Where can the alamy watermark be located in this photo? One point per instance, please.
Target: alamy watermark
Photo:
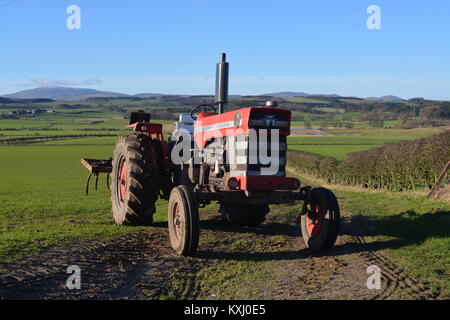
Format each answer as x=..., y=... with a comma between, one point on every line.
x=73, y=22
x=374, y=20
x=374, y=280
x=74, y=280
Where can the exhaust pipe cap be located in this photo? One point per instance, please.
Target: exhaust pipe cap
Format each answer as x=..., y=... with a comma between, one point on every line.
x=272, y=104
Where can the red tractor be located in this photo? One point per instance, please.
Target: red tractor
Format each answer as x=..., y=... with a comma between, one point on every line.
x=236, y=158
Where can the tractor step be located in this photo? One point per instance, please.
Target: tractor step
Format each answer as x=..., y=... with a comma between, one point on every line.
x=95, y=167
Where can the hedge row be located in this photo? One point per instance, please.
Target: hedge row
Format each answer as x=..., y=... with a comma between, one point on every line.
x=398, y=166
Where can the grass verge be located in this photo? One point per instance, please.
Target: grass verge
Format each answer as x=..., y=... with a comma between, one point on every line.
x=410, y=229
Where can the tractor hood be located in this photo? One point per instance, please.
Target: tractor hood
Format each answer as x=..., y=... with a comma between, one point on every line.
x=239, y=122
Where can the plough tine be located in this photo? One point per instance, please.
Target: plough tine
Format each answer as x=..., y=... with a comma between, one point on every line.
x=96, y=182
x=96, y=167
x=87, y=183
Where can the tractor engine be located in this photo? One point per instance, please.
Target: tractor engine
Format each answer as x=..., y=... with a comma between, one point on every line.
x=245, y=149
x=238, y=150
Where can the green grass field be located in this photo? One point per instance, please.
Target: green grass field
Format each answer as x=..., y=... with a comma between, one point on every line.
x=305, y=100
x=43, y=201
x=337, y=151
x=341, y=142
x=408, y=227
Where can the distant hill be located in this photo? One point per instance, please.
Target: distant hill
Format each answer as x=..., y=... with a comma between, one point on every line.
x=22, y=101
x=6, y=100
x=332, y=95
x=386, y=99
x=286, y=94
x=289, y=94
x=149, y=95
x=159, y=95
x=61, y=94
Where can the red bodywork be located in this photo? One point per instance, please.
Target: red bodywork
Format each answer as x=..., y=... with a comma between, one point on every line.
x=210, y=125
x=150, y=128
x=155, y=131
x=265, y=183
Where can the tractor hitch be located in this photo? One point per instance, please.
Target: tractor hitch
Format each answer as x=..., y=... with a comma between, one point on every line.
x=95, y=167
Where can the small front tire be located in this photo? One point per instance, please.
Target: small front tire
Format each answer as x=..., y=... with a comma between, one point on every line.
x=183, y=220
x=320, y=220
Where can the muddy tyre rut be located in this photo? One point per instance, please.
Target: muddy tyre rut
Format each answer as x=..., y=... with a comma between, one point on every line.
x=142, y=265
x=393, y=275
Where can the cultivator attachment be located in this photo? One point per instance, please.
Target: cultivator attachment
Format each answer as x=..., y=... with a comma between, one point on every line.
x=95, y=167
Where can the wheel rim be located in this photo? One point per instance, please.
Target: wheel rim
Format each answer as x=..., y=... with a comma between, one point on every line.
x=122, y=183
x=314, y=220
x=177, y=221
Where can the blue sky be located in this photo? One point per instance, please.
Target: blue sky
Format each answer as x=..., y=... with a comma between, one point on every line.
x=172, y=46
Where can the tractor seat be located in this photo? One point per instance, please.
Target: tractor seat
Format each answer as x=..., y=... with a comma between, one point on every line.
x=185, y=123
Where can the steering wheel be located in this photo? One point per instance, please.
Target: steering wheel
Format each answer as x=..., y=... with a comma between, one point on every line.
x=198, y=110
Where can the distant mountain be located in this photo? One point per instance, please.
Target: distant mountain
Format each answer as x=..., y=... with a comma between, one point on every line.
x=78, y=94
x=386, y=99
x=6, y=100
x=286, y=94
x=159, y=95
x=332, y=95
x=289, y=94
x=149, y=95
x=62, y=94
x=37, y=100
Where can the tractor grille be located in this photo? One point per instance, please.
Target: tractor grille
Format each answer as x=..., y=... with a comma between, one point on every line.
x=251, y=155
x=261, y=119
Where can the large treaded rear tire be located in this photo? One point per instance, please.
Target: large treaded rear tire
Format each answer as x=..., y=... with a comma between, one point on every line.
x=244, y=215
x=135, y=177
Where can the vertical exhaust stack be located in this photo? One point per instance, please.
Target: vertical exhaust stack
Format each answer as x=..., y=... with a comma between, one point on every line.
x=222, y=82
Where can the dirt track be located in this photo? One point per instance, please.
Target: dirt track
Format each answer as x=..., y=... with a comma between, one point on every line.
x=143, y=266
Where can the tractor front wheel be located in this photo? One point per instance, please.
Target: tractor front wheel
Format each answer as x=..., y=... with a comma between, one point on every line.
x=135, y=176
x=183, y=220
x=320, y=220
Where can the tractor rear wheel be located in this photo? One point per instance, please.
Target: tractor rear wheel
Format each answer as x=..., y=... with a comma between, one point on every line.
x=244, y=215
x=320, y=220
x=135, y=176
x=183, y=220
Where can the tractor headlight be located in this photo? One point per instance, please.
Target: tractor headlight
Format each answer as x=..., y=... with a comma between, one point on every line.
x=232, y=183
